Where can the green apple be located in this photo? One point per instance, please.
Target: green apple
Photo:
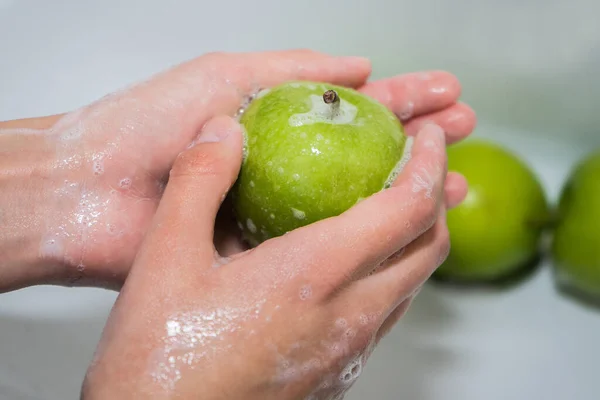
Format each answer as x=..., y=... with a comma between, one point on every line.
x=312, y=151
x=575, y=245
x=497, y=230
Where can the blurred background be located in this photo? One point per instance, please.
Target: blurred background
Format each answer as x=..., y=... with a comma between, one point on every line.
x=528, y=68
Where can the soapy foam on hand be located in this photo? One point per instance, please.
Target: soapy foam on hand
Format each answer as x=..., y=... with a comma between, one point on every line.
x=191, y=338
x=423, y=181
x=337, y=349
x=68, y=136
x=406, y=156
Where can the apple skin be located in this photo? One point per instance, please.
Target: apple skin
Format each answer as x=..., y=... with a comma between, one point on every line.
x=303, y=162
x=575, y=247
x=497, y=230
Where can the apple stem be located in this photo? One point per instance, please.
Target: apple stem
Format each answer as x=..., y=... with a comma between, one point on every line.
x=331, y=97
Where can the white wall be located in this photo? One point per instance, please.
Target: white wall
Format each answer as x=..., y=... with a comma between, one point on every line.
x=530, y=63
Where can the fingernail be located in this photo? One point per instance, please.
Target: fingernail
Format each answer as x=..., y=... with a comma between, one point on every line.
x=213, y=135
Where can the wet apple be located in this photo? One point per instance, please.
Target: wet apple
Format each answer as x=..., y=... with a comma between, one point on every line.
x=312, y=151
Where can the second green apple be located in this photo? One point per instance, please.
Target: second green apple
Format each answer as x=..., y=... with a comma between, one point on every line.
x=576, y=241
x=497, y=230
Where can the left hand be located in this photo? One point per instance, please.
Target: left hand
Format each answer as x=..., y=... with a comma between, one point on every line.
x=107, y=163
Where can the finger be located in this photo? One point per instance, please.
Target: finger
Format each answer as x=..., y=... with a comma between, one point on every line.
x=267, y=69
x=198, y=184
x=378, y=226
x=164, y=114
x=458, y=121
x=393, y=319
x=400, y=277
x=455, y=190
x=415, y=94
x=227, y=78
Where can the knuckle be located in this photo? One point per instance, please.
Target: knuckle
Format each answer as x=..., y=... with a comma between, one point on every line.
x=197, y=162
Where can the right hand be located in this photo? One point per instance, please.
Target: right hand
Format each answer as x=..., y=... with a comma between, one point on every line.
x=294, y=318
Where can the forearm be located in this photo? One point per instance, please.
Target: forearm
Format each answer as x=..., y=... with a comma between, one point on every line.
x=27, y=164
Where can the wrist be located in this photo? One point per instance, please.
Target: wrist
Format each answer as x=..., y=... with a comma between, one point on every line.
x=63, y=220
x=27, y=166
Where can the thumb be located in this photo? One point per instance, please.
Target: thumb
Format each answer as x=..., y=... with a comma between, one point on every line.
x=199, y=181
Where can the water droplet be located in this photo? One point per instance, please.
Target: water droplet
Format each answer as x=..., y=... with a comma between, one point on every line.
x=251, y=226
x=298, y=214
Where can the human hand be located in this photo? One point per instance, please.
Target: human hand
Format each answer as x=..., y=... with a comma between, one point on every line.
x=295, y=317
x=104, y=166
